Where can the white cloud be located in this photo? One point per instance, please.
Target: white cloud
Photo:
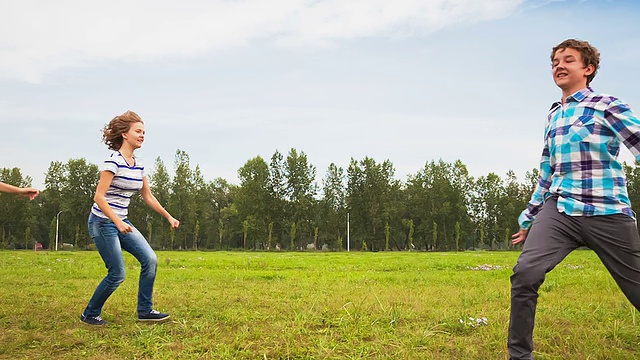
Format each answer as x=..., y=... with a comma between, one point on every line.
x=38, y=37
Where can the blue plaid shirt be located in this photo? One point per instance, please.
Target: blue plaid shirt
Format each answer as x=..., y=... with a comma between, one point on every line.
x=579, y=161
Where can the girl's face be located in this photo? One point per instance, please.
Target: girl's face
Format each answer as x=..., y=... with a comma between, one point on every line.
x=135, y=136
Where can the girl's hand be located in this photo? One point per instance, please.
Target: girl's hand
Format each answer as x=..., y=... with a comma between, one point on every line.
x=123, y=227
x=174, y=222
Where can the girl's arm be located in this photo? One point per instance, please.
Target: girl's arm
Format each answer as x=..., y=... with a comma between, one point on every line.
x=106, y=177
x=153, y=203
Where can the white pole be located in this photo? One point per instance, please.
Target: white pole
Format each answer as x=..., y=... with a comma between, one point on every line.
x=57, y=223
x=347, y=232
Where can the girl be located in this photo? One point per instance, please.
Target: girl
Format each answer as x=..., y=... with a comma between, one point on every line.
x=121, y=177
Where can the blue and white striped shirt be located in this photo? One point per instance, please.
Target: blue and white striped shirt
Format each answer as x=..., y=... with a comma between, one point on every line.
x=579, y=161
x=127, y=181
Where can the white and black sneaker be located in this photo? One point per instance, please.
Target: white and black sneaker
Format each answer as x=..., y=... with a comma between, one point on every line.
x=153, y=315
x=92, y=320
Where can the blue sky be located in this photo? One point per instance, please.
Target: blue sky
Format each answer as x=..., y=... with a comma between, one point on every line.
x=404, y=80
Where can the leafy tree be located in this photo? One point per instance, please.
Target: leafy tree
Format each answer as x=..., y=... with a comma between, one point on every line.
x=270, y=238
x=80, y=180
x=182, y=201
x=435, y=236
x=195, y=235
x=457, y=236
x=300, y=190
x=223, y=213
x=293, y=236
x=331, y=209
x=370, y=198
x=489, y=194
x=160, y=184
x=253, y=195
x=278, y=208
x=387, y=234
x=27, y=238
x=220, y=231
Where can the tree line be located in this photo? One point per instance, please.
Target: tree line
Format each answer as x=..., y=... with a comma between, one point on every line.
x=278, y=204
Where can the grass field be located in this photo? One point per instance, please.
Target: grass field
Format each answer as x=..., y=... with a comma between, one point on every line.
x=256, y=305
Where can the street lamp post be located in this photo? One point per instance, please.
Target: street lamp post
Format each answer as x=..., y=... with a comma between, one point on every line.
x=57, y=224
x=348, y=242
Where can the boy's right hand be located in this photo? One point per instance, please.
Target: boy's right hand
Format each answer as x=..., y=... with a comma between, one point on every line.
x=519, y=237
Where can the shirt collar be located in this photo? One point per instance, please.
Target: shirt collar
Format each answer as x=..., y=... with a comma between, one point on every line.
x=578, y=96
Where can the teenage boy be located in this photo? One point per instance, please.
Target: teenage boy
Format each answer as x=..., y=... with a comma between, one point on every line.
x=581, y=196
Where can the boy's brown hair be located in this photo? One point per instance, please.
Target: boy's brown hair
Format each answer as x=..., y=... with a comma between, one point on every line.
x=590, y=55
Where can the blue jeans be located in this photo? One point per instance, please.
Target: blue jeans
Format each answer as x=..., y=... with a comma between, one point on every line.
x=110, y=243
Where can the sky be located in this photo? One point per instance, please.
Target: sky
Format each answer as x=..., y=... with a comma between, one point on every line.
x=410, y=81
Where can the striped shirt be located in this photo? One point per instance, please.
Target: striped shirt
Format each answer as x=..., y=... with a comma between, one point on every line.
x=579, y=161
x=127, y=181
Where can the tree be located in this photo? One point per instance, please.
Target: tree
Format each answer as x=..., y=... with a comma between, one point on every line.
x=195, y=235
x=206, y=212
x=223, y=212
x=220, y=231
x=50, y=197
x=160, y=182
x=387, y=234
x=371, y=197
x=315, y=237
x=292, y=234
x=507, y=238
x=80, y=180
x=270, y=238
x=331, y=208
x=253, y=195
x=278, y=209
x=52, y=233
x=411, y=231
x=440, y=193
x=300, y=190
x=182, y=200
x=487, y=209
x=457, y=236
x=27, y=237
x=245, y=231
x=435, y=236
x=77, y=237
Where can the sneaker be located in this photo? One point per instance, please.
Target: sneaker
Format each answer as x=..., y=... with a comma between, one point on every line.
x=92, y=320
x=153, y=315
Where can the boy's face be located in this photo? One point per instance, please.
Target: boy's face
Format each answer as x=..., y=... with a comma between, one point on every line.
x=569, y=72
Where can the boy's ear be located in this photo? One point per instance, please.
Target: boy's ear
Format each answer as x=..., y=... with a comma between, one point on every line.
x=590, y=69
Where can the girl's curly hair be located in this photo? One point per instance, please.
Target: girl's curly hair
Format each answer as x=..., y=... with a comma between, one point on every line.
x=112, y=132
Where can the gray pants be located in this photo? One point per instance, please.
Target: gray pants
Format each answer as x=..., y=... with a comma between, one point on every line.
x=614, y=238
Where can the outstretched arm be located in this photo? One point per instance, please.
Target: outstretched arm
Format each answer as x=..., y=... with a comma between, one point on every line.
x=29, y=192
x=153, y=203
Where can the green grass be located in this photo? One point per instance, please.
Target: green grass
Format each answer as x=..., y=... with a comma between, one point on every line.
x=246, y=305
